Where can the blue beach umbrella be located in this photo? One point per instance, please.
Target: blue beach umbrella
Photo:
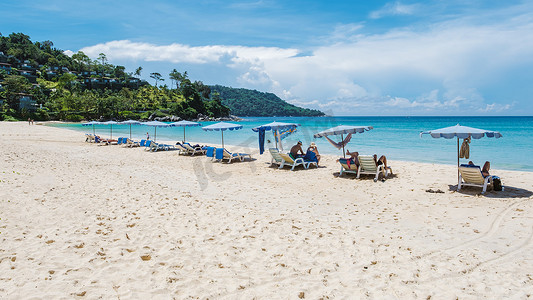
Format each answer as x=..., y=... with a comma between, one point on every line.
x=342, y=130
x=461, y=132
x=222, y=126
x=156, y=124
x=184, y=123
x=110, y=123
x=92, y=123
x=130, y=122
x=275, y=127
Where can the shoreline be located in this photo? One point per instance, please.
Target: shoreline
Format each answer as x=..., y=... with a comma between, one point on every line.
x=81, y=220
x=256, y=148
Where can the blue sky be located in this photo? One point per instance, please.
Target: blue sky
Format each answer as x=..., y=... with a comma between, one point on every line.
x=342, y=57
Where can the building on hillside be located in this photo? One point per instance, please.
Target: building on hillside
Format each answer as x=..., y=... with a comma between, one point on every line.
x=30, y=75
x=6, y=67
x=26, y=102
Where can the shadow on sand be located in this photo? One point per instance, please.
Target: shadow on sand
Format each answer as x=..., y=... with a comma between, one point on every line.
x=508, y=192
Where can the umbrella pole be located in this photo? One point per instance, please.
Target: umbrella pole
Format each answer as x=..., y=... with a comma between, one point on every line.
x=183, y=134
x=111, y=131
x=155, y=132
x=276, y=134
x=458, y=162
x=342, y=141
x=222, y=138
x=93, y=130
x=130, y=131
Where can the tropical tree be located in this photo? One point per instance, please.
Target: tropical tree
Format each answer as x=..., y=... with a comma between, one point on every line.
x=138, y=71
x=82, y=60
x=178, y=77
x=157, y=77
x=103, y=58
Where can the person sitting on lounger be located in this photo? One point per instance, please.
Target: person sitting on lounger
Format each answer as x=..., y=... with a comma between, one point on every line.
x=312, y=153
x=484, y=170
x=381, y=161
x=296, y=151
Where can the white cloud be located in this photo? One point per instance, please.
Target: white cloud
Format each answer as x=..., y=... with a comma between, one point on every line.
x=442, y=68
x=394, y=9
x=496, y=107
x=178, y=53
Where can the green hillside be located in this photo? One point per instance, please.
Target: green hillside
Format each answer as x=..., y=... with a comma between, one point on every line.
x=244, y=102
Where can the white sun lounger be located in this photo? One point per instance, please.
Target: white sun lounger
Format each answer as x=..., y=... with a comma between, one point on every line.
x=472, y=176
x=287, y=160
x=276, y=158
x=367, y=165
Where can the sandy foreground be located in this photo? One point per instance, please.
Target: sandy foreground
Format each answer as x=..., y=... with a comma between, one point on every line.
x=80, y=220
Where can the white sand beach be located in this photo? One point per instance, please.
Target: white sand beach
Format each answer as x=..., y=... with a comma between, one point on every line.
x=80, y=220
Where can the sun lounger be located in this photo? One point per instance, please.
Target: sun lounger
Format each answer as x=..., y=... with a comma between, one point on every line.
x=182, y=149
x=367, y=165
x=345, y=168
x=242, y=156
x=147, y=144
x=192, y=150
x=221, y=154
x=131, y=143
x=472, y=176
x=154, y=147
x=276, y=158
x=89, y=138
x=105, y=142
x=289, y=161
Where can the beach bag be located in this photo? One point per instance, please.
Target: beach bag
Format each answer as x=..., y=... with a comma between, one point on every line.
x=497, y=183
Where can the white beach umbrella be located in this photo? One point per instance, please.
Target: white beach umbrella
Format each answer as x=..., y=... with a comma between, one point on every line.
x=342, y=130
x=111, y=123
x=461, y=132
x=222, y=126
x=130, y=122
x=275, y=127
x=156, y=124
x=184, y=123
x=91, y=123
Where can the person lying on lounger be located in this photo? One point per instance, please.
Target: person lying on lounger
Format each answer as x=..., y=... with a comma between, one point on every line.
x=353, y=158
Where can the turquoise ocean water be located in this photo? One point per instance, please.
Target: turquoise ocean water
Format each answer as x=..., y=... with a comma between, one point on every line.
x=396, y=137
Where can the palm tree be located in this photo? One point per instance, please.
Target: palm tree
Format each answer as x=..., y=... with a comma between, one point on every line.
x=157, y=77
x=138, y=71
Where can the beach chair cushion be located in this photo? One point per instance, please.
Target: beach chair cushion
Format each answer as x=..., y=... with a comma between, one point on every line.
x=210, y=152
